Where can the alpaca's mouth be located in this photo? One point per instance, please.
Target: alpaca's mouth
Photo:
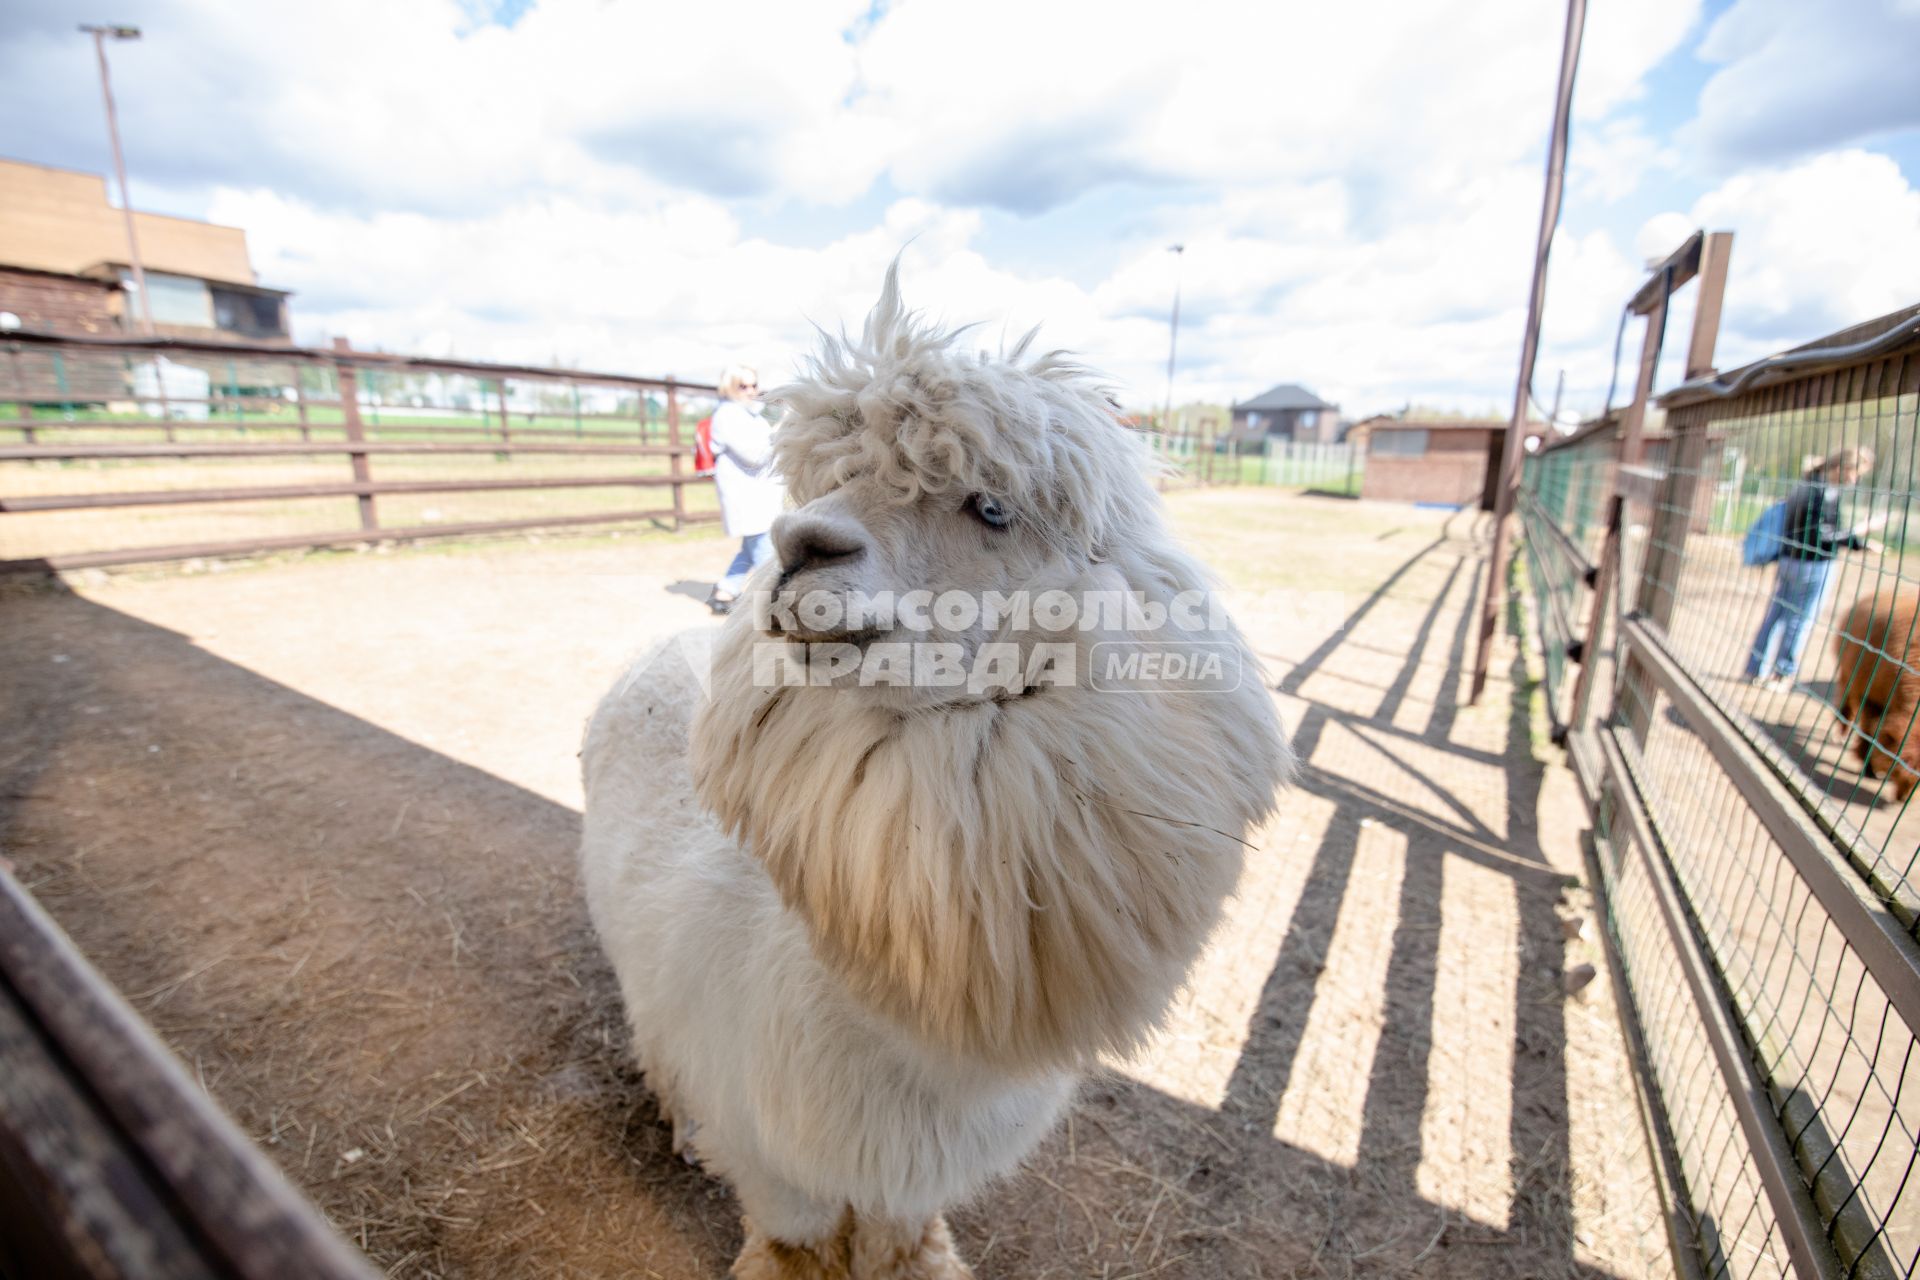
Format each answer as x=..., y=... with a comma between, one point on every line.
x=801, y=635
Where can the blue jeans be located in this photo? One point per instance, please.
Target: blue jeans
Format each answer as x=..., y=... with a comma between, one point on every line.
x=1799, y=597
x=755, y=550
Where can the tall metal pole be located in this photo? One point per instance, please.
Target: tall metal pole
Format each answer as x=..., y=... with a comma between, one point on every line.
x=1173, y=338
x=1529, y=348
x=100, y=35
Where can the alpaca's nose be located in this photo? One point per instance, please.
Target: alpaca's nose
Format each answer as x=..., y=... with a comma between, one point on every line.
x=813, y=541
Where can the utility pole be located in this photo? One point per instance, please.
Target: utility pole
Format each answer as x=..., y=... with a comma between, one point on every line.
x=1496, y=589
x=100, y=35
x=1173, y=339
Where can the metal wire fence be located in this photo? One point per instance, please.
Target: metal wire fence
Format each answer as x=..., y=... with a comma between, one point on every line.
x=1189, y=458
x=1562, y=510
x=1735, y=599
x=1325, y=468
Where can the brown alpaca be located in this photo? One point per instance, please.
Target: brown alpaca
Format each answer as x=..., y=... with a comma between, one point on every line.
x=1878, y=684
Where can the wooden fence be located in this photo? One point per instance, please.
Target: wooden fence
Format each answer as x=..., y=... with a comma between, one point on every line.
x=114, y=1164
x=1760, y=883
x=90, y=426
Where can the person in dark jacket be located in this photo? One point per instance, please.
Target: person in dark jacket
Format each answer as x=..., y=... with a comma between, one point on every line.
x=1812, y=538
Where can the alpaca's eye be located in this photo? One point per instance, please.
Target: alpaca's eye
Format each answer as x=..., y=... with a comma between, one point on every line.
x=989, y=511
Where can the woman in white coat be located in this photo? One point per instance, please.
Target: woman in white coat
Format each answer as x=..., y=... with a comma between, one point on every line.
x=751, y=495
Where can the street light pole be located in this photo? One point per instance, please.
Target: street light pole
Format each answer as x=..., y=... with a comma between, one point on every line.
x=100, y=35
x=1173, y=338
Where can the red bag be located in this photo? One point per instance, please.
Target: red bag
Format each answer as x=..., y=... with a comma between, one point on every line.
x=703, y=447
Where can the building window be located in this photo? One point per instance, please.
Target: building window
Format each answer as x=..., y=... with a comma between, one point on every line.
x=1409, y=443
x=174, y=299
x=253, y=315
x=1309, y=418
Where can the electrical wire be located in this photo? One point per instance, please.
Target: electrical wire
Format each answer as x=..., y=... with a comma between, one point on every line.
x=1613, y=373
x=1553, y=418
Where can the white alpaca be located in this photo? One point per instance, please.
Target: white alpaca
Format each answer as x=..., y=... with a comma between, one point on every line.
x=870, y=937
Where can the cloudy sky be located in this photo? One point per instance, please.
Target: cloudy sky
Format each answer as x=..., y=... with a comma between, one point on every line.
x=661, y=187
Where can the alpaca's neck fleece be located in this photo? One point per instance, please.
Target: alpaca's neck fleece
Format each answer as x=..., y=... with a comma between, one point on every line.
x=1024, y=882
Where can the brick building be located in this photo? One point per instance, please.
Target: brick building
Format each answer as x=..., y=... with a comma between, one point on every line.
x=58, y=224
x=1449, y=462
x=56, y=302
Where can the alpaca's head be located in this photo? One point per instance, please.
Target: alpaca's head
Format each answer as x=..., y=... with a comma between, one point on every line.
x=919, y=466
x=1017, y=873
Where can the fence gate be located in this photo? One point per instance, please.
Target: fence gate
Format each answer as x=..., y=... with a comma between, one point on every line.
x=1753, y=846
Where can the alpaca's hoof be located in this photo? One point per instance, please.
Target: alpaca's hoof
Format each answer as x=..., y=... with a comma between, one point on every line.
x=684, y=1132
x=862, y=1249
x=764, y=1258
x=685, y=1128
x=891, y=1251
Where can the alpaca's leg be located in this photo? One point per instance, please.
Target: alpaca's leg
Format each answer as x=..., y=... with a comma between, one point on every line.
x=857, y=1248
x=789, y=1235
x=666, y=1100
x=1866, y=731
x=885, y=1249
x=1897, y=743
x=684, y=1129
x=765, y=1257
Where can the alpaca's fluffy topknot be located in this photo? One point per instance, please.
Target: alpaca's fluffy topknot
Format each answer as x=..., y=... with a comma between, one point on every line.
x=905, y=406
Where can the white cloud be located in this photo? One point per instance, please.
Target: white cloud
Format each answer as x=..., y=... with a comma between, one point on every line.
x=364, y=104
x=664, y=189
x=1610, y=160
x=1009, y=103
x=686, y=291
x=1797, y=77
x=1819, y=246
x=673, y=289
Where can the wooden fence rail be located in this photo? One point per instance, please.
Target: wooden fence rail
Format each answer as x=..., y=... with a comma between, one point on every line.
x=114, y=1163
x=79, y=385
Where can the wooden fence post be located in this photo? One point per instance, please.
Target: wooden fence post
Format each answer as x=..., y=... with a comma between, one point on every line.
x=160, y=390
x=675, y=464
x=1612, y=553
x=1677, y=495
x=500, y=391
x=22, y=405
x=300, y=401
x=1714, y=256
x=347, y=378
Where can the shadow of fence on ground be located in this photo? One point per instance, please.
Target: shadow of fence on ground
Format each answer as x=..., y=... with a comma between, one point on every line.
x=376, y=958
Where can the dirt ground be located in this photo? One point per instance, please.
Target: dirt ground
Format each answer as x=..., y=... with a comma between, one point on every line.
x=317, y=820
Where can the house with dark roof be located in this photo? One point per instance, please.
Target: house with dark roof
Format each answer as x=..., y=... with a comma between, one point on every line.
x=1287, y=412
